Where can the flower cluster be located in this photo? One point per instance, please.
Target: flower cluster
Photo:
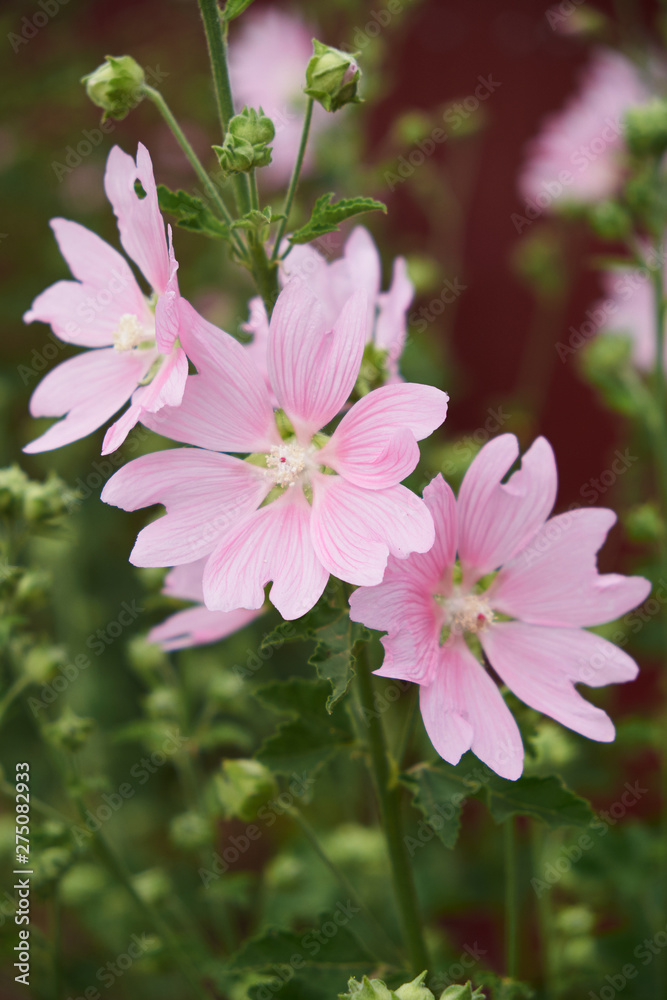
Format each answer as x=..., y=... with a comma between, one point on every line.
x=293, y=452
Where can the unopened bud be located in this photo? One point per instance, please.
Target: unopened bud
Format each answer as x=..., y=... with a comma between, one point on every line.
x=646, y=128
x=116, y=86
x=246, y=142
x=332, y=77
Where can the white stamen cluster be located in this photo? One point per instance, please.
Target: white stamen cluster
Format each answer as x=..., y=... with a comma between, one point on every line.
x=286, y=462
x=129, y=333
x=470, y=613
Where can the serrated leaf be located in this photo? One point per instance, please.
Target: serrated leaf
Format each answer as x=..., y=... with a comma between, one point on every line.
x=234, y=8
x=191, y=213
x=335, y=656
x=545, y=799
x=439, y=796
x=276, y=946
x=305, y=742
x=327, y=215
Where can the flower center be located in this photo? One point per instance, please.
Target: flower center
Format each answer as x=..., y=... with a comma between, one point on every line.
x=470, y=613
x=287, y=462
x=129, y=333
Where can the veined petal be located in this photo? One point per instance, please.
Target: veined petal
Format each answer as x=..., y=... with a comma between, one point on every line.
x=313, y=368
x=354, y=530
x=463, y=709
x=375, y=444
x=272, y=544
x=542, y=665
x=89, y=389
x=226, y=406
x=198, y=626
x=497, y=519
x=140, y=223
x=205, y=494
x=88, y=310
x=167, y=312
x=391, y=323
x=554, y=580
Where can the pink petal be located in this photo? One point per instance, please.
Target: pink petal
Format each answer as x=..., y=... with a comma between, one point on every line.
x=434, y=567
x=272, y=544
x=205, y=495
x=89, y=388
x=140, y=223
x=463, y=709
x=542, y=665
x=87, y=311
x=391, y=325
x=258, y=349
x=312, y=368
x=354, y=530
x=496, y=520
x=554, y=580
x=186, y=581
x=198, y=626
x=166, y=389
x=375, y=444
x=167, y=313
x=226, y=407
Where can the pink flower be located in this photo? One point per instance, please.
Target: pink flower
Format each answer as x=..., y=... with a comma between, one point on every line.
x=629, y=309
x=267, y=66
x=195, y=626
x=529, y=619
x=137, y=354
x=578, y=155
x=359, y=269
x=280, y=516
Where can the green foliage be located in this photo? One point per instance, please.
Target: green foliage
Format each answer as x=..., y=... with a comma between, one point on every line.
x=439, y=796
x=234, y=8
x=503, y=988
x=191, y=213
x=545, y=799
x=243, y=786
x=327, y=215
x=312, y=736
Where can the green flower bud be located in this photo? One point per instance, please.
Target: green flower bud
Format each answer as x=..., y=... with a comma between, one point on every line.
x=116, y=86
x=33, y=586
x=46, y=502
x=246, y=142
x=462, y=993
x=646, y=128
x=243, y=787
x=70, y=731
x=415, y=990
x=190, y=831
x=50, y=865
x=13, y=484
x=610, y=220
x=152, y=885
x=163, y=703
x=644, y=524
x=332, y=77
x=367, y=989
x=41, y=662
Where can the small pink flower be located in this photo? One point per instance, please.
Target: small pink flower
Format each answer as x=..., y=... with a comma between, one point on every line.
x=629, y=310
x=578, y=155
x=334, y=503
x=137, y=354
x=530, y=619
x=267, y=66
x=195, y=626
x=359, y=269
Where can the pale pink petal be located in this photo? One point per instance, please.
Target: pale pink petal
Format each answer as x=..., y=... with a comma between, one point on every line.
x=140, y=223
x=87, y=311
x=313, y=368
x=258, y=325
x=167, y=312
x=198, y=626
x=89, y=389
x=166, y=389
x=205, y=495
x=497, y=519
x=412, y=653
x=554, y=580
x=542, y=665
x=375, y=444
x=186, y=581
x=463, y=709
x=391, y=323
x=354, y=530
x=226, y=407
x=272, y=544
x=360, y=268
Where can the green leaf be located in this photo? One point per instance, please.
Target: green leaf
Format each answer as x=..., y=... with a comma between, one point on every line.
x=327, y=215
x=309, y=739
x=234, y=8
x=257, y=222
x=546, y=799
x=191, y=213
x=503, y=988
x=243, y=786
x=439, y=796
x=335, y=656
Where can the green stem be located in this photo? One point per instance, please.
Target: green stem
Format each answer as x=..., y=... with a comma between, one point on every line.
x=409, y=724
x=387, y=946
x=511, y=909
x=15, y=689
x=254, y=193
x=388, y=793
x=294, y=181
x=545, y=915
